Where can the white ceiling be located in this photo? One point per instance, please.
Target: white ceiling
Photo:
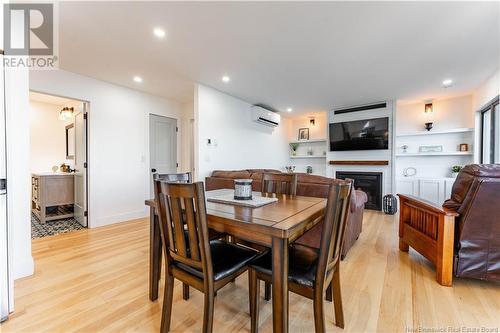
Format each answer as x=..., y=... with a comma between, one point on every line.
x=310, y=56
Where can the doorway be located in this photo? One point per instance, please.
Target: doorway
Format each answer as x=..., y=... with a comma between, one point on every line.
x=162, y=146
x=58, y=163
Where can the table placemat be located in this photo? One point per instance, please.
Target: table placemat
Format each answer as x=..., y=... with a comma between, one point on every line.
x=227, y=197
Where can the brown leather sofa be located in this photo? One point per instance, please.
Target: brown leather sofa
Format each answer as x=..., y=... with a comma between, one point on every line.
x=473, y=211
x=308, y=185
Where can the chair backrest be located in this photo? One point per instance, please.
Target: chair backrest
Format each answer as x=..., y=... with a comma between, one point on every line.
x=179, y=205
x=477, y=238
x=184, y=177
x=332, y=236
x=279, y=183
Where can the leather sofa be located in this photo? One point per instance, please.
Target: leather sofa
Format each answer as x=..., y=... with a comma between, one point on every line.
x=307, y=185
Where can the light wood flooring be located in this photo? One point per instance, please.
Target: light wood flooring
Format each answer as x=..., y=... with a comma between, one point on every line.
x=97, y=281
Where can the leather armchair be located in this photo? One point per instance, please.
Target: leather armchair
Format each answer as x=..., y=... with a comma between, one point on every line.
x=463, y=236
x=307, y=185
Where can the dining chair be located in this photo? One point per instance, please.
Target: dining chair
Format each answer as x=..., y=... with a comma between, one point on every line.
x=184, y=177
x=279, y=183
x=191, y=257
x=311, y=271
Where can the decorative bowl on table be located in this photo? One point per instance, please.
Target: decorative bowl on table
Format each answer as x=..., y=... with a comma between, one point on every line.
x=243, y=189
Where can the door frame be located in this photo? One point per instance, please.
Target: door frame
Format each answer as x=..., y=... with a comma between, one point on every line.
x=86, y=110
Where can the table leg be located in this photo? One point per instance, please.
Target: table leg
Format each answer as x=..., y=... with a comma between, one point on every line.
x=280, y=285
x=154, y=255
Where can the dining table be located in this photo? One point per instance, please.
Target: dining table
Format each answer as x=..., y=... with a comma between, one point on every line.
x=274, y=226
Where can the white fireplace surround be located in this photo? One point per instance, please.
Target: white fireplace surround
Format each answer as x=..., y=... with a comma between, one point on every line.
x=366, y=155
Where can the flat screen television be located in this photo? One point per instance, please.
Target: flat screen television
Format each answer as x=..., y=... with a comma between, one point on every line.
x=365, y=134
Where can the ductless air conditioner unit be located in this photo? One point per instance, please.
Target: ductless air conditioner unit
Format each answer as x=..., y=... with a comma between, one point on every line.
x=265, y=117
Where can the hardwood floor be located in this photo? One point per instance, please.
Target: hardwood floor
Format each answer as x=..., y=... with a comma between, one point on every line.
x=97, y=281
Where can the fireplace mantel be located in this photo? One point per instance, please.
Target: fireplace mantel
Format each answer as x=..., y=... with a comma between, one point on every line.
x=358, y=162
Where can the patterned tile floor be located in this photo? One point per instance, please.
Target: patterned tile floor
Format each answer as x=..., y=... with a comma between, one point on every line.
x=50, y=228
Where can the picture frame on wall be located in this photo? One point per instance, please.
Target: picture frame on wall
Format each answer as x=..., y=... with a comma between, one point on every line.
x=303, y=134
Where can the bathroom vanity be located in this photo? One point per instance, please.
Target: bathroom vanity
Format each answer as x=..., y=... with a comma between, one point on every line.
x=53, y=195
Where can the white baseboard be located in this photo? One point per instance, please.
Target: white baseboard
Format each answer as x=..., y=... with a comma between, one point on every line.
x=102, y=221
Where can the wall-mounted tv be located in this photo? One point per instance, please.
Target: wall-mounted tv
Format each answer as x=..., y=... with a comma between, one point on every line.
x=365, y=134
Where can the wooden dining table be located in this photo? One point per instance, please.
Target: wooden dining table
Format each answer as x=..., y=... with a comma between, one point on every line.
x=274, y=226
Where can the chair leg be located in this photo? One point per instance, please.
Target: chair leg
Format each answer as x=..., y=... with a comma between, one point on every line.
x=319, y=315
x=208, y=312
x=329, y=292
x=185, y=291
x=337, y=299
x=267, y=291
x=166, y=313
x=254, y=292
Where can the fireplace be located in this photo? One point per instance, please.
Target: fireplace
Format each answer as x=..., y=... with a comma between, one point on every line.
x=368, y=182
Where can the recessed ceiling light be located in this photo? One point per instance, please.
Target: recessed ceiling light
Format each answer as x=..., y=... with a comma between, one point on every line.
x=138, y=79
x=447, y=83
x=289, y=110
x=226, y=79
x=159, y=32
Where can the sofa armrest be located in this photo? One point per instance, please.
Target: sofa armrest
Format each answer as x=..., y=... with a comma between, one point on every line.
x=426, y=205
x=430, y=230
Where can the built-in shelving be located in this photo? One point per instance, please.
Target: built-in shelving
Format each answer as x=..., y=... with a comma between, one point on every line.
x=309, y=141
x=307, y=156
x=453, y=153
x=451, y=131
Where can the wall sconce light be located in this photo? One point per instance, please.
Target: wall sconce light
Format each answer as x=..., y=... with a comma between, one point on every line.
x=428, y=108
x=312, y=121
x=66, y=113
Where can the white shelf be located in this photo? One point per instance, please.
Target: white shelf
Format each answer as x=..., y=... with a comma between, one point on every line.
x=453, y=153
x=307, y=156
x=309, y=141
x=431, y=132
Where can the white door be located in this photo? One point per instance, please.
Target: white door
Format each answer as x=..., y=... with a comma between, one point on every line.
x=6, y=289
x=80, y=205
x=162, y=145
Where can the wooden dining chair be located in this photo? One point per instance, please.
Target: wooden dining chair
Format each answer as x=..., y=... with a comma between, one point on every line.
x=279, y=183
x=311, y=271
x=184, y=177
x=190, y=256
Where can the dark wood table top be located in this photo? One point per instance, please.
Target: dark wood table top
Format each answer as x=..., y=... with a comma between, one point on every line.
x=288, y=217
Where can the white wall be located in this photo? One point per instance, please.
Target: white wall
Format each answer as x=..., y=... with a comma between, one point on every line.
x=447, y=113
x=18, y=172
x=486, y=91
x=119, y=171
x=318, y=131
x=241, y=143
x=450, y=113
x=47, y=137
x=187, y=140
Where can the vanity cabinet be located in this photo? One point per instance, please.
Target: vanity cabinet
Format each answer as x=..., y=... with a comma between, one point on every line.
x=52, y=196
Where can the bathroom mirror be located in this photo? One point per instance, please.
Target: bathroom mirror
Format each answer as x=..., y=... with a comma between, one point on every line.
x=70, y=142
